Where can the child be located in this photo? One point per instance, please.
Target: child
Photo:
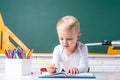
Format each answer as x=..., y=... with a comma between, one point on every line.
x=70, y=55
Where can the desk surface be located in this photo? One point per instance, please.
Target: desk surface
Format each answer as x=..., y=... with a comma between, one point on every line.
x=99, y=76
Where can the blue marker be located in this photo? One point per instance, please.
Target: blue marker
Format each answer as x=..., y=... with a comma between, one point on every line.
x=11, y=53
x=24, y=54
x=16, y=56
x=16, y=53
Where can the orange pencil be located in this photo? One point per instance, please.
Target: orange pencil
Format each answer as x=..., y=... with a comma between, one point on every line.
x=30, y=54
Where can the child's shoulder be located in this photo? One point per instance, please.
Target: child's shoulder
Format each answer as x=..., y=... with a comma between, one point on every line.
x=81, y=45
x=58, y=47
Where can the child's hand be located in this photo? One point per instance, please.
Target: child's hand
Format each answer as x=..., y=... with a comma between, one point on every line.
x=51, y=69
x=72, y=70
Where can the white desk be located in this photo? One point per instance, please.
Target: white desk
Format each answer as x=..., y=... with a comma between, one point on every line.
x=99, y=76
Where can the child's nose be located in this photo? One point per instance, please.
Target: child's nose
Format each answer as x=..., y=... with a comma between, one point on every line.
x=65, y=41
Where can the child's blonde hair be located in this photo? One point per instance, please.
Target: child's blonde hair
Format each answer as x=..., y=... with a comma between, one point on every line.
x=68, y=23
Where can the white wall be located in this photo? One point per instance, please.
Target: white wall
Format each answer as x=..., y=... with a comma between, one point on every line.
x=97, y=63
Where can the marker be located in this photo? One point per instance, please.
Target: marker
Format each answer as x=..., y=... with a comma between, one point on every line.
x=45, y=62
x=6, y=53
x=13, y=53
x=21, y=54
x=24, y=54
x=16, y=54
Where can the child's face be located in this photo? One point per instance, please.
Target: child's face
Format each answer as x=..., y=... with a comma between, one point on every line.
x=68, y=39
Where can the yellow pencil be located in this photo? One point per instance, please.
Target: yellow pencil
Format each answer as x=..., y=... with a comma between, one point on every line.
x=44, y=62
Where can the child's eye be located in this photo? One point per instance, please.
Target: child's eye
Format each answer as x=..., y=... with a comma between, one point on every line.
x=61, y=38
x=69, y=38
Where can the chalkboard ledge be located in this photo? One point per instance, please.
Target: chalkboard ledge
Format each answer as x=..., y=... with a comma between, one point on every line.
x=91, y=55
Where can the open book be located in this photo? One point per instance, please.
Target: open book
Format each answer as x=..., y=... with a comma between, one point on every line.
x=65, y=75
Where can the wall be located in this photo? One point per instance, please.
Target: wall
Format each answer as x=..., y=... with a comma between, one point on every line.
x=97, y=63
x=34, y=21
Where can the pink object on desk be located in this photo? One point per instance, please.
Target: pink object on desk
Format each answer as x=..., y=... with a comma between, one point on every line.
x=43, y=70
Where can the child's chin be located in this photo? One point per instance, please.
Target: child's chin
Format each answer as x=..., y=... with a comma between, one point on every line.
x=66, y=48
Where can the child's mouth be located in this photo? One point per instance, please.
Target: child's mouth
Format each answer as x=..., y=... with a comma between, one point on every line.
x=66, y=46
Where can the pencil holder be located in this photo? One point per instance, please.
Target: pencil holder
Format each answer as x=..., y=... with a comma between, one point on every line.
x=15, y=68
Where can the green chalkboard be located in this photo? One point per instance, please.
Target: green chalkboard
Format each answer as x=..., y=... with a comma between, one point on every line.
x=34, y=21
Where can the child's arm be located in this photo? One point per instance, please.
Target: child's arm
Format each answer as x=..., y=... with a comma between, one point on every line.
x=83, y=64
x=56, y=59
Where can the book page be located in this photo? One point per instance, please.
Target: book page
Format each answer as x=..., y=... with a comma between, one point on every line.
x=49, y=75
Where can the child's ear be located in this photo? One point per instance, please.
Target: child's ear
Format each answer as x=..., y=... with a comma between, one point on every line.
x=78, y=36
